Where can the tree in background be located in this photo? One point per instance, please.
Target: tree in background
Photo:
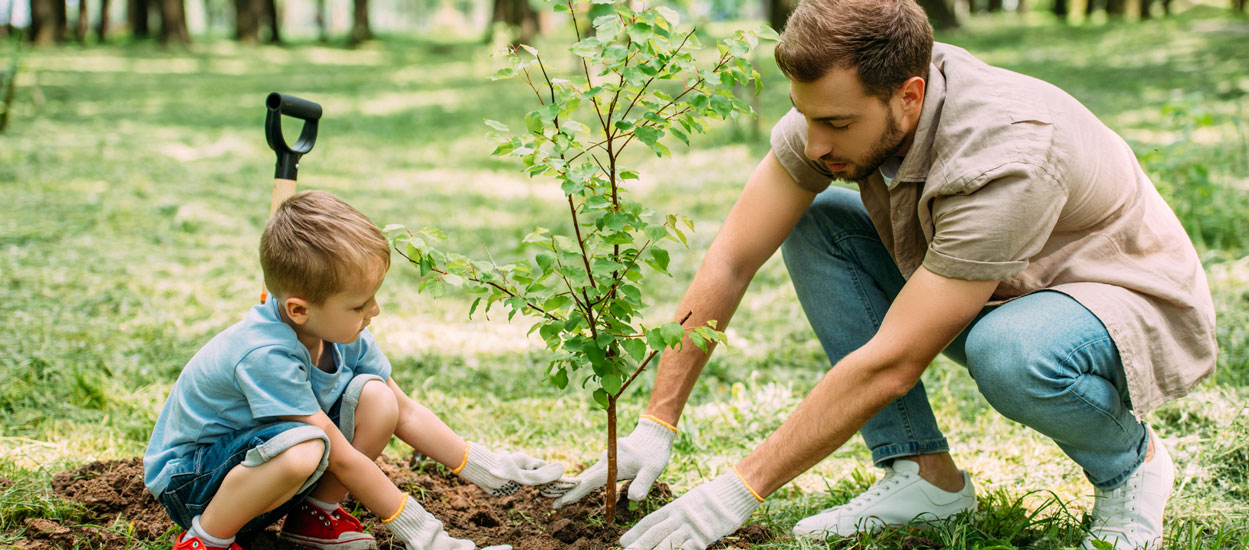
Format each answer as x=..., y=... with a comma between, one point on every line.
x=101, y=26
x=360, y=30
x=47, y=21
x=1238, y=5
x=519, y=17
x=939, y=13
x=173, y=22
x=778, y=12
x=138, y=12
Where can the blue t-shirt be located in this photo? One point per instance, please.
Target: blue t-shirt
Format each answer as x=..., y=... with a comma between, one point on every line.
x=250, y=374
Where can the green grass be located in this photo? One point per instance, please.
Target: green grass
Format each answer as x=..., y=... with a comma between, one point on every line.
x=136, y=182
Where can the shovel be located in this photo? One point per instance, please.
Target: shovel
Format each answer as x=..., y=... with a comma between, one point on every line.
x=288, y=157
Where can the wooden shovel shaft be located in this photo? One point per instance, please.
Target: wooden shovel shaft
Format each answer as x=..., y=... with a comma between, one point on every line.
x=282, y=190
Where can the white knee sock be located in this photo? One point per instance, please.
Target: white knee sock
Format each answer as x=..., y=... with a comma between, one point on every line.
x=197, y=530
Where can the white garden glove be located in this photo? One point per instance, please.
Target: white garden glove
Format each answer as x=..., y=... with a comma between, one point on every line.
x=641, y=456
x=502, y=474
x=696, y=520
x=420, y=530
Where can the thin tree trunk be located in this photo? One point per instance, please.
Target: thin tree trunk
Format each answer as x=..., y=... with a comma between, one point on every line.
x=139, y=11
x=1145, y=6
x=101, y=28
x=61, y=22
x=1061, y=10
x=246, y=21
x=778, y=12
x=1090, y=7
x=84, y=22
x=995, y=6
x=360, y=30
x=611, y=460
x=1238, y=5
x=271, y=12
x=323, y=34
x=939, y=13
x=1116, y=8
x=173, y=22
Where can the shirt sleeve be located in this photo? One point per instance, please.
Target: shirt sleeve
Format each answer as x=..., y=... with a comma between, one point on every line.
x=369, y=358
x=993, y=231
x=275, y=383
x=789, y=144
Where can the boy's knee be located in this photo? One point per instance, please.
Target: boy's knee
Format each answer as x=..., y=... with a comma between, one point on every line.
x=302, y=459
x=378, y=404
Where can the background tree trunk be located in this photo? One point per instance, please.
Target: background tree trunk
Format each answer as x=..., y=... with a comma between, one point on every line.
x=1116, y=8
x=1238, y=5
x=1145, y=6
x=1090, y=7
x=518, y=14
x=247, y=21
x=101, y=28
x=46, y=21
x=360, y=30
x=323, y=34
x=939, y=13
x=778, y=12
x=1061, y=10
x=271, y=12
x=138, y=11
x=995, y=6
x=84, y=22
x=173, y=22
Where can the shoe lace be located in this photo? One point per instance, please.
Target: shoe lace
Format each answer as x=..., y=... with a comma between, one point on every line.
x=1114, y=510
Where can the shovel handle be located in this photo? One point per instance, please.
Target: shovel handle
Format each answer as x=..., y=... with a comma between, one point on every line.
x=288, y=155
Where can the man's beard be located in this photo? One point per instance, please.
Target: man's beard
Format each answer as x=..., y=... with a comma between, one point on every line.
x=887, y=145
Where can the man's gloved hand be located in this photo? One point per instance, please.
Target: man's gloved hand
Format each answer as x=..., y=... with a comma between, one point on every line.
x=641, y=456
x=420, y=530
x=696, y=520
x=502, y=474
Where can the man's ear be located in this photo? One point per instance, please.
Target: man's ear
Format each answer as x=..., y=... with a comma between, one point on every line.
x=912, y=96
x=296, y=309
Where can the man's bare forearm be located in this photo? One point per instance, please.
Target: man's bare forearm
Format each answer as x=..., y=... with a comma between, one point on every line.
x=714, y=295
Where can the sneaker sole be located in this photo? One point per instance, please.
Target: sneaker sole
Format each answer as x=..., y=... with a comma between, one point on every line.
x=365, y=543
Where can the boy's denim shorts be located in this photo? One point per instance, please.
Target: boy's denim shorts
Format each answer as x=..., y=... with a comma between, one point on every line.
x=198, y=476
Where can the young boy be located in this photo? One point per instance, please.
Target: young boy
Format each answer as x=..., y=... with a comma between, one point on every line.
x=283, y=413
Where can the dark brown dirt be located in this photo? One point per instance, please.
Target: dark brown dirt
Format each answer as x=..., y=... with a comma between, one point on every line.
x=114, y=490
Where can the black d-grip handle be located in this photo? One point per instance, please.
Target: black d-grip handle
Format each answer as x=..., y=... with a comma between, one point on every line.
x=288, y=156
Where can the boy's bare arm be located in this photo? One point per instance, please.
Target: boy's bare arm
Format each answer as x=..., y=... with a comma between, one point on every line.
x=356, y=472
x=424, y=431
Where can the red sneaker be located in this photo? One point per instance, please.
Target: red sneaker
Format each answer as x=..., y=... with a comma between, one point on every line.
x=184, y=542
x=311, y=526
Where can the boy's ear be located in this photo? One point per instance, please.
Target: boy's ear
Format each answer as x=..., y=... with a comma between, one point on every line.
x=296, y=310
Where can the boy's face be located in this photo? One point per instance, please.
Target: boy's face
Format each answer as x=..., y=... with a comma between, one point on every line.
x=342, y=316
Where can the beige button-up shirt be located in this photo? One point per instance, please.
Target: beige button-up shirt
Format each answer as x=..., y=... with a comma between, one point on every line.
x=1011, y=179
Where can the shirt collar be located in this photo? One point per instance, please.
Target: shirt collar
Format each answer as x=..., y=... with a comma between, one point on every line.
x=918, y=160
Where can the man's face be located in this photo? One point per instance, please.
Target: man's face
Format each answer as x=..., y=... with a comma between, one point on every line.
x=345, y=315
x=851, y=132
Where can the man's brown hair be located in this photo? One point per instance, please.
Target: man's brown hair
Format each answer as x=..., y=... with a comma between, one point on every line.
x=886, y=41
x=314, y=243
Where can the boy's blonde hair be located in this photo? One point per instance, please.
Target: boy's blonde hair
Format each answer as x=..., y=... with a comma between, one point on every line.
x=313, y=243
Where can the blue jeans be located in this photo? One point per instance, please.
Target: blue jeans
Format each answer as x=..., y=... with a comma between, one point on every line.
x=199, y=475
x=1042, y=360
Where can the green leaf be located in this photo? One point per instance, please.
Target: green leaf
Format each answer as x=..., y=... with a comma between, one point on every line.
x=587, y=47
x=698, y=340
x=670, y=15
x=628, y=174
x=560, y=378
x=641, y=32
x=672, y=334
x=623, y=125
x=611, y=382
x=655, y=339
x=722, y=105
x=506, y=72
x=550, y=331
x=661, y=258
x=497, y=125
x=768, y=33
x=635, y=347
x=545, y=261
x=600, y=396
x=647, y=135
x=556, y=302
x=533, y=121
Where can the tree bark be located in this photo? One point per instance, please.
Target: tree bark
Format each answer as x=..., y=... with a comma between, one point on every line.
x=44, y=22
x=323, y=34
x=778, y=12
x=247, y=21
x=173, y=22
x=271, y=12
x=139, y=11
x=1238, y=5
x=518, y=15
x=1145, y=6
x=101, y=28
x=939, y=13
x=1090, y=7
x=1116, y=8
x=1061, y=10
x=360, y=30
x=84, y=22
x=995, y=6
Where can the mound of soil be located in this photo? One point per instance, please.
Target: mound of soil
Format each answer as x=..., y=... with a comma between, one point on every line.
x=114, y=490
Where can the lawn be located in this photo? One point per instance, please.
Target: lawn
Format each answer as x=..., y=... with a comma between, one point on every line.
x=136, y=181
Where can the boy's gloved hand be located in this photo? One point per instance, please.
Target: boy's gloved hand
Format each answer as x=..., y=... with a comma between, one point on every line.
x=420, y=530
x=696, y=520
x=641, y=456
x=502, y=474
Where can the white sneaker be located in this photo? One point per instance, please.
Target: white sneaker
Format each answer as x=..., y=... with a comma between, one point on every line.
x=896, y=499
x=1129, y=517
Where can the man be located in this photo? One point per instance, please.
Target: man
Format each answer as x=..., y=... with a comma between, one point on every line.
x=997, y=220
